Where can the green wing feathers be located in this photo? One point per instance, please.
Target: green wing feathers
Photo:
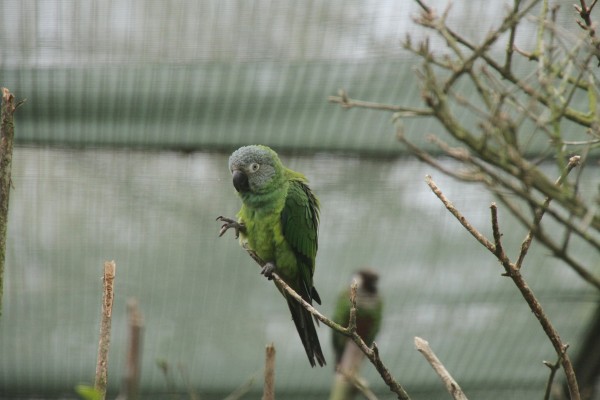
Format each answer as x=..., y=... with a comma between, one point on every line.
x=300, y=224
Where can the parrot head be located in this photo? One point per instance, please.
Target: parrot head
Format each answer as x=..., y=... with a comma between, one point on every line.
x=367, y=280
x=255, y=169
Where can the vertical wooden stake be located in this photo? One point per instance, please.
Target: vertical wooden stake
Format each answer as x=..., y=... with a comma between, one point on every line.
x=131, y=381
x=104, y=344
x=7, y=133
x=343, y=387
x=269, y=389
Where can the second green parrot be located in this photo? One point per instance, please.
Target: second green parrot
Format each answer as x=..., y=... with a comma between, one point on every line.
x=279, y=221
x=369, y=309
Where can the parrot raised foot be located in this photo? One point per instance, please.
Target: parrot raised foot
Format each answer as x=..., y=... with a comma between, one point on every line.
x=230, y=223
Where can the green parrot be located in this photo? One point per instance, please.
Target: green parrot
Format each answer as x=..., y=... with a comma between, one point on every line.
x=279, y=220
x=369, y=309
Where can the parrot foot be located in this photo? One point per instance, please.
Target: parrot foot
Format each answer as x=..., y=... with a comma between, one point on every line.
x=230, y=223
x=268, y=270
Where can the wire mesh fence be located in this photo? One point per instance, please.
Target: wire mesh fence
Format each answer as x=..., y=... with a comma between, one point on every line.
x=132, y=108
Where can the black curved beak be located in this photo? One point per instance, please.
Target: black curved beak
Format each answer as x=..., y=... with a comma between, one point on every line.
x=240, y=181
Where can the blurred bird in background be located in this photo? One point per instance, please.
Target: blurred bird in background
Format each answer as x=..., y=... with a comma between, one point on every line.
x=348, y=357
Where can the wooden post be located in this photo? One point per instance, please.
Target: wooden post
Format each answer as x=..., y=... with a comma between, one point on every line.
x=7, y=133
x=131, y=380
x=269, y=389
x=104, y=344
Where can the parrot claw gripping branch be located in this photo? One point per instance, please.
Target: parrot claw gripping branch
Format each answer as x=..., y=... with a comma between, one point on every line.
x=279, y=222
x=268, y=270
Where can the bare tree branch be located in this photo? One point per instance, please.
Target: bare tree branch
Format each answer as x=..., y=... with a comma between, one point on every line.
x=513, y=272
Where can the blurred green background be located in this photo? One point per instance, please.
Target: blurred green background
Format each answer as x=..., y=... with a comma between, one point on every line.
x=132, y=110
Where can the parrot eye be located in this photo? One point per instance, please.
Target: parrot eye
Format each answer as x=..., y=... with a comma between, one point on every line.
x=254, y=167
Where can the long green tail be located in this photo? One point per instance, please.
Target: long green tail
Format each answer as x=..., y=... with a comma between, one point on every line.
x=306, y=329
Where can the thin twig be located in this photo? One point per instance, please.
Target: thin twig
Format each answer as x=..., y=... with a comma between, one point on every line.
x=185, y=377
x=347, y=103
x=427, y=158
x=423, y=6
x=165, y=368
x=585, y=12
x=269, y=388
x=451, y=385
x=352, y=317
x=357, y=383
x=105, y=324
x=553, y=368
x=464, y=222
x=347, y=381
x=510, y=46
x=539, y=213
x=556, y=250
x=241, y=391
